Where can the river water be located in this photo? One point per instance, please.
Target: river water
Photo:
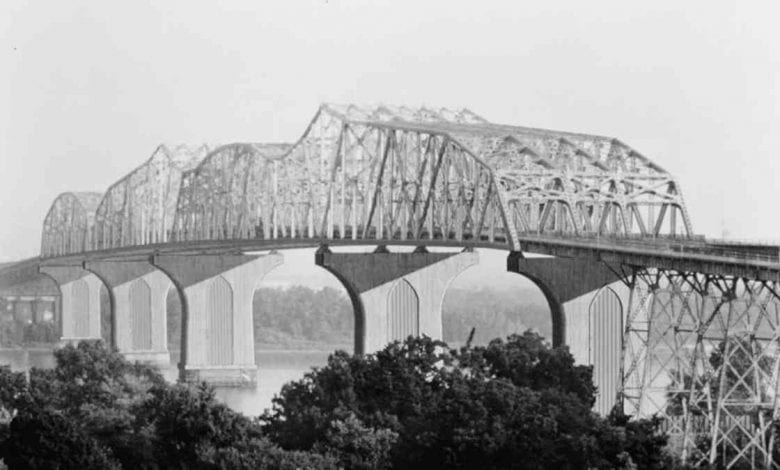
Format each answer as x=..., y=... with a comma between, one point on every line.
x=275, y=368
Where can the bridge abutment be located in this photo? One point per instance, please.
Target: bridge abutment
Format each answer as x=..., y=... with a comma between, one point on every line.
x=80, y=302
x=587, y=302
x=139, y=293
x=395, y=295
x=217, y=327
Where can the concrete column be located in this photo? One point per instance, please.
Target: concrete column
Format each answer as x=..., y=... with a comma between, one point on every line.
x=80, y=302
x=586, y=300
x=395, y=294
x=218, y=332
x=138, y=300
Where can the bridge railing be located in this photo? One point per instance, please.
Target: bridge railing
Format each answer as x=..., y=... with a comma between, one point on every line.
x=697, y=244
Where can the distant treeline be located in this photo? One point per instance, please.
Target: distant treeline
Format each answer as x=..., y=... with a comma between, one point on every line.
x=303, y=317
x=14, y=334
x=300, y=317
x=494, y=313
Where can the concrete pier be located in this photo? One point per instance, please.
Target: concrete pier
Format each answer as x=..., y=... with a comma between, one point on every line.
x=586, y=300
x=217, y=331
x=395, y=295
x=80, y=302
x=138, y=302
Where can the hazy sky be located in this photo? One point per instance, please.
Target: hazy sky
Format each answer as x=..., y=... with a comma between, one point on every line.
x=88, y=89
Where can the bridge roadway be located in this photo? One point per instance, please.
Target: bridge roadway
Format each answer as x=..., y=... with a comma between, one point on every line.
x=680, y=254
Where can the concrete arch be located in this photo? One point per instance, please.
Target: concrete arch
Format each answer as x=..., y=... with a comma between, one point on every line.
x=369, y=279
x=557, y=314
x=403, y=311
x=358, y=309
x=79, y=301
x=564, y=281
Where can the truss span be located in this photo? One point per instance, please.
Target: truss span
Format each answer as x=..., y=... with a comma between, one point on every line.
x=140, y=208
x=395, y=173
x=68, y=225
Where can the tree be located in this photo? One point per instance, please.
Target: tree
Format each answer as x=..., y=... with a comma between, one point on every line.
x=188, y=420
x=527, y=361
x=513, y=404
x=357, y=446
x=47, y=439
x=96, y=410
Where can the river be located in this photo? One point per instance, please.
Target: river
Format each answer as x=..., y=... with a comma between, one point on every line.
x=275, y=368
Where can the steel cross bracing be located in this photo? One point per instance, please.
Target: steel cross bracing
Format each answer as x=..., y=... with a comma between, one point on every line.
x=702, y=352
x=140, y=208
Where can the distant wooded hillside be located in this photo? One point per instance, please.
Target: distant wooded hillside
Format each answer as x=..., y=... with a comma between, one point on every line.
x=300, y=317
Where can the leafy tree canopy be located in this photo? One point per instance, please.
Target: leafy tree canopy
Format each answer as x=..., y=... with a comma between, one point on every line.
x=512, y=404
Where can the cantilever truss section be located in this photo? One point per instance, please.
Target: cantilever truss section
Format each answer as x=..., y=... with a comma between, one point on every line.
x=67, y=227
x=140, y=208
x=226, y=195
x=395, y=173
x=418, y=174
x=345, y=178
x=702, y=352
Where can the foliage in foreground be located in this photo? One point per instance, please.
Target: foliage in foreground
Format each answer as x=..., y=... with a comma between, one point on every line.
x=95, y=410
x=512, y=404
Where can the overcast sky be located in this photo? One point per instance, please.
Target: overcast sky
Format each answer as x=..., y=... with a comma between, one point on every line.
x=88, y=89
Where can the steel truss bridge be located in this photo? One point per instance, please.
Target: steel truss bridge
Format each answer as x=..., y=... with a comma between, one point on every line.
x=701, y=320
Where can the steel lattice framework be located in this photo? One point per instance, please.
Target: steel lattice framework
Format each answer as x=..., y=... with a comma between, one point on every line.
x=419, y=174
x=140, y=208
x=67, y=227
x=226, y=195
x=702, y=351
x=699, y=348
x=395, y=173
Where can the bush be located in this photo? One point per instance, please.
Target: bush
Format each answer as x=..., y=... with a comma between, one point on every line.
x=515, y=403
x=46, y=439
x=96, y=410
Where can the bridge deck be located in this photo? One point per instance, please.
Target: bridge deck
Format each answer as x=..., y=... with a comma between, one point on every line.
x=760, y=262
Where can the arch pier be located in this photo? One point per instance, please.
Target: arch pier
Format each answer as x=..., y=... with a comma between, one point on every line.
x=395, y=295
x=217, y=329
x=80, y=301
x=138, y=293
x=586, y=300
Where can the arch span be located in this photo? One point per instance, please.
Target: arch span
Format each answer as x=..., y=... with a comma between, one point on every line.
x=563, y=281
